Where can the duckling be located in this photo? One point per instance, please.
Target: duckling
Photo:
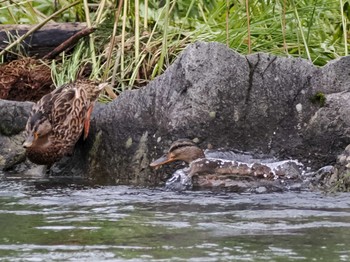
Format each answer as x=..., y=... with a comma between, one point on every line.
x=224, y=172
x=188, y=151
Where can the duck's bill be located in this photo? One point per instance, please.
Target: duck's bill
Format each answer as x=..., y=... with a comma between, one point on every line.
x=29, y=141
x=161, y=161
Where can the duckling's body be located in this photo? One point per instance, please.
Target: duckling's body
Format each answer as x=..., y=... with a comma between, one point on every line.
x=58, y=120
x=223, y=172
x=188, y=151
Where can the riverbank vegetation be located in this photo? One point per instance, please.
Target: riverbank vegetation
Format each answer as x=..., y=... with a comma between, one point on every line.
x=135, y=41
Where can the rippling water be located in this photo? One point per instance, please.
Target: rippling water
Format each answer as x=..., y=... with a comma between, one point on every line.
x=117, y=223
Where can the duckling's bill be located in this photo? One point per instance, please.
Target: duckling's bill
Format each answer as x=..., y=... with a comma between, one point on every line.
x=162, y=160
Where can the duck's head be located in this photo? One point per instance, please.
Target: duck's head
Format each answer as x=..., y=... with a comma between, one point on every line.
x=38, y=129
x=183, y=149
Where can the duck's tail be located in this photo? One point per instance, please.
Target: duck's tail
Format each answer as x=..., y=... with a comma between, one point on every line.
x=92, y=88
x=97, y=90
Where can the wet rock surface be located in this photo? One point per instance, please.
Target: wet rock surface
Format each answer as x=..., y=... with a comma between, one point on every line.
x=13, y=116
x=281, y=107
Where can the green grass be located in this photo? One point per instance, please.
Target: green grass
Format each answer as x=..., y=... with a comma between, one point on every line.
x=137, y=40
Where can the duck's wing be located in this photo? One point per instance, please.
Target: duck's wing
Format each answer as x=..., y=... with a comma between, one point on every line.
x=43, y=109
x=69, y=109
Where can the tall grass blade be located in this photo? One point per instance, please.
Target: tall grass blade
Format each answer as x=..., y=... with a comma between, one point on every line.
x=227, y=20
x=301, y=32
x=122, y=57
x=137, y=29
x=248, y=27
x=344, y=23
x=165, y=37
x=91, y=38
x=145, y=21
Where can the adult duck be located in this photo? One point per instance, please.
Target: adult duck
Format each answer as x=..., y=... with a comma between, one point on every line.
x=58, y=119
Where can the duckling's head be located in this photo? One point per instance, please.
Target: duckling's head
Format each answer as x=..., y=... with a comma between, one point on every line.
x=183, y=149
x=38, y=128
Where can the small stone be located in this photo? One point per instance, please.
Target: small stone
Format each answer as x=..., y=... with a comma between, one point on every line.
x=299, y=108
x=261, y=189
x=128, y=142
x=195, y=140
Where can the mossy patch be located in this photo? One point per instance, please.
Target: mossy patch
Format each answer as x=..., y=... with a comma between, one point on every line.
x=319, y=99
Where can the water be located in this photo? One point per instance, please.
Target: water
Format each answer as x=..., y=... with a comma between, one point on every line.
x=117, y=223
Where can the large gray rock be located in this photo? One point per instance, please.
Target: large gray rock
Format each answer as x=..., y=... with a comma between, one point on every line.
x=260, y=103
x=13, y=118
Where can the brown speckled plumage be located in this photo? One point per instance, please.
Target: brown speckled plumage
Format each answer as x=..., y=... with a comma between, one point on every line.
x=57, y=121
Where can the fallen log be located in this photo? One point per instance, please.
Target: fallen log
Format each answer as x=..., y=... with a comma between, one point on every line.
x=41, y=42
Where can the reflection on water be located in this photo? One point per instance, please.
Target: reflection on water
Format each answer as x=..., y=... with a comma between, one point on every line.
x=128, y=224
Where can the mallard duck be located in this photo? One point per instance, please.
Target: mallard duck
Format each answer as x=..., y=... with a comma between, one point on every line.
x=187, y=151
x=58, y=119
x=212, y=168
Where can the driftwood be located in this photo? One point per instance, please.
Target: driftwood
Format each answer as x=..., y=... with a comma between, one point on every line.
x=69, y=42
x=41, y=42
